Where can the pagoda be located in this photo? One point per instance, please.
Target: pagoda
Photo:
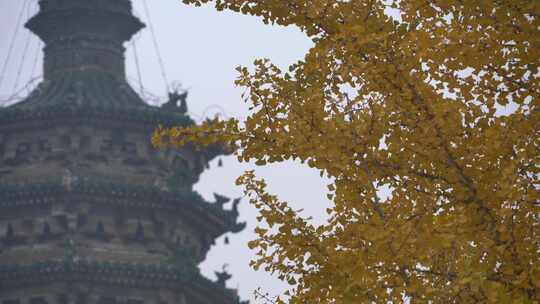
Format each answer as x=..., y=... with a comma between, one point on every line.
x=90, y=212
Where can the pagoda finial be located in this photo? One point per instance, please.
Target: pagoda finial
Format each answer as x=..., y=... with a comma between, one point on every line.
x=81, y=34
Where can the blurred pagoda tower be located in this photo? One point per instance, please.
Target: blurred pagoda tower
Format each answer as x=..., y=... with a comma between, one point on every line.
x=90, y=212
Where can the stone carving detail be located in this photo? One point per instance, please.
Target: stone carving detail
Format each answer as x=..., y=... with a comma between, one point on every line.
x=177, y=102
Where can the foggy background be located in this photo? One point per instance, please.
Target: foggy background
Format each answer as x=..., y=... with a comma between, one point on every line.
x=200, y=48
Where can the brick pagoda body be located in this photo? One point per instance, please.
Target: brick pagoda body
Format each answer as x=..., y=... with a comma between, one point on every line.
x=90, y=212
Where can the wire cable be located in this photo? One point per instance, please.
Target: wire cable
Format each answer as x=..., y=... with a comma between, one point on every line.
x=17, y=95
x=38, y=46
x=12, y=43
x=23, y=61
x=26, y=45
x=36, y=58
x=137, y=65
x=156, y=46
x=220, y=111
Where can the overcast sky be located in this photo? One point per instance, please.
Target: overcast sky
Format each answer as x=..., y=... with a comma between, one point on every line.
x=200, y=48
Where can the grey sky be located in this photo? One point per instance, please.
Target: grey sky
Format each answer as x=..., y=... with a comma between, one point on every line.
x=200, y=48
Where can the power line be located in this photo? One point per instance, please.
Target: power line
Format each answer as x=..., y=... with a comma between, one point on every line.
x=38, y=47
x=12, y=43
x=146, y=95
x=137, y=65
x=16, y=96
x=220, y=111
x=23, y=60
x=156, y=46
x=36, y=58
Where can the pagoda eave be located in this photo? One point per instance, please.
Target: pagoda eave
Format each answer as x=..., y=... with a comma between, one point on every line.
x=127, y=275
x=187, y=204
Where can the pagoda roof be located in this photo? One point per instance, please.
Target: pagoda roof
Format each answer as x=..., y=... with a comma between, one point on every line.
x=124, y=274
x=189, y=204
x=88, y=93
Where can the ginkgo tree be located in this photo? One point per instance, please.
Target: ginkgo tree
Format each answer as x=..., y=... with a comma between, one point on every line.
x=436, y=101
